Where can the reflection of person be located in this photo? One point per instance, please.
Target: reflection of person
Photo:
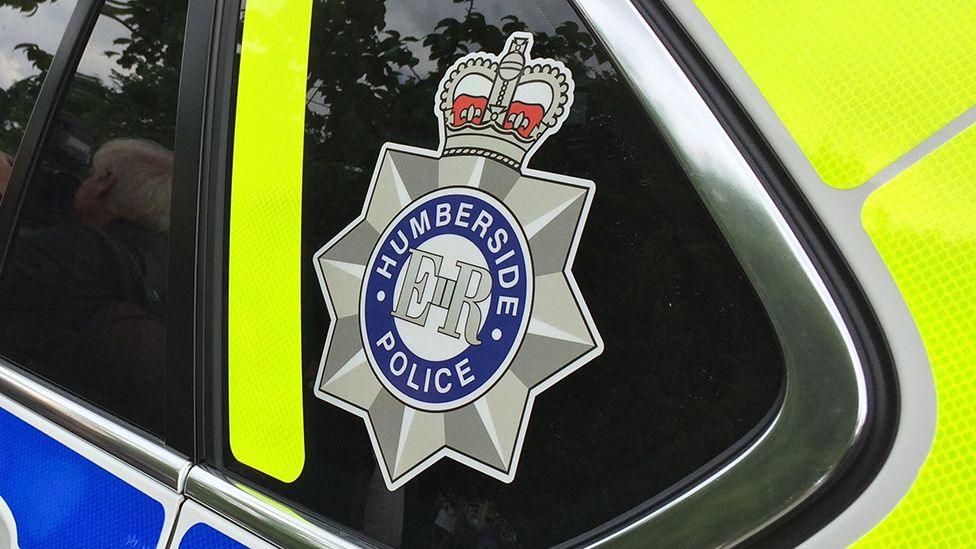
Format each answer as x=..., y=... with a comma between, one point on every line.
x=81, y=302
x=130, y=182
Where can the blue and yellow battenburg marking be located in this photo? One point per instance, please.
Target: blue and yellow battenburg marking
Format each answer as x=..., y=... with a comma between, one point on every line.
x=452, y=296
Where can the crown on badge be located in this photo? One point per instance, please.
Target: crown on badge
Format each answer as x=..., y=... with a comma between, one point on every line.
x=503, y=106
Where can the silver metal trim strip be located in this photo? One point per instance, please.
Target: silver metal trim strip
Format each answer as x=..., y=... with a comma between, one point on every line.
x=825, y=404
x=263, y=515
x=840, y=213
x=942, y=136
x=92, y=425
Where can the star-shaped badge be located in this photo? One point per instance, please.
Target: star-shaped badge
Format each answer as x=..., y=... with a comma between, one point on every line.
x=452, y=300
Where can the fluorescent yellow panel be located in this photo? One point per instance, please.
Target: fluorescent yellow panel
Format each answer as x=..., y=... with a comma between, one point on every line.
x=858, y=83
x=924, y=224
x=264, y=362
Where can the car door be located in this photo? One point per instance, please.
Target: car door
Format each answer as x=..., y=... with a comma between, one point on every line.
x=419, y=273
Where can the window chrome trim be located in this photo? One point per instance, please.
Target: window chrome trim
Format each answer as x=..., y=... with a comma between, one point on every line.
x=825, y=404
x=264, y=515
x=83, y=420
x=839, y=211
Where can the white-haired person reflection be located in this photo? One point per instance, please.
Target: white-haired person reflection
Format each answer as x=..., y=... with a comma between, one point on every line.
x=82, y=302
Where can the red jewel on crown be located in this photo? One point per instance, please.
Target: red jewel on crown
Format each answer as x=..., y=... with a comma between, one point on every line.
x=503, y=106
x=468, y=108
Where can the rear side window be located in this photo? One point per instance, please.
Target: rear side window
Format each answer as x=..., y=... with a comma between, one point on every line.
x=519, y=323
x=29, y=35
x=84, y=286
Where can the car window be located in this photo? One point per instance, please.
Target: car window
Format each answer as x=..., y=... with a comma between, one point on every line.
x=29, y=34
x=84, y=286
x=518, y=320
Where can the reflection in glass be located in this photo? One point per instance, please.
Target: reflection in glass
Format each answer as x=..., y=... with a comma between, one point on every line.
x=30, y=31
x=691, y=362
x=83, y=292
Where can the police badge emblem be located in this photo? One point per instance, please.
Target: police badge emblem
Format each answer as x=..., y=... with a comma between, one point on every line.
x=452, y=301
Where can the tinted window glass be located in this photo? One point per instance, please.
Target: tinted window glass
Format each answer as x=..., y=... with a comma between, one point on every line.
x=690, y=363
x=83, y=296
x=29, y=33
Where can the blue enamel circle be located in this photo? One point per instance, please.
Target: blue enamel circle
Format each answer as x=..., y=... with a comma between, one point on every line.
x=446, y=298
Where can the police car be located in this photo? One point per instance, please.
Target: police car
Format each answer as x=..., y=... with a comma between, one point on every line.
x=474, y=273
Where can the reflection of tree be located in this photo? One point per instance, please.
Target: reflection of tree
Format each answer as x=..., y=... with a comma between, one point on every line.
x=365, y=89
x=139, y=99
x=17, y=100
x=26, y=7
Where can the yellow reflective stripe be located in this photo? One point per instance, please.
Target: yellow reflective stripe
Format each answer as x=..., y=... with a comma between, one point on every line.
x=858, y=83
x=264, y=347
x=924, y=225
